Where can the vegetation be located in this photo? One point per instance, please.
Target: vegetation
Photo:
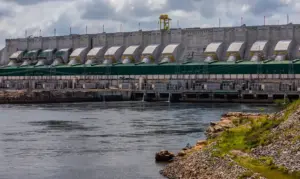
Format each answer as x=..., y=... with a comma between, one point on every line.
x=246, y=146
x=246, y=175
x=282, y=102
x=249, y=134
x=266, y=168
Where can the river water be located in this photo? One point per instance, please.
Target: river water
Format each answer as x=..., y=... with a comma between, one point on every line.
x=100, y=140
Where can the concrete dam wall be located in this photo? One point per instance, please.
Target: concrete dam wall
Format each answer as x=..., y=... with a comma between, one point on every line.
x=276, y=42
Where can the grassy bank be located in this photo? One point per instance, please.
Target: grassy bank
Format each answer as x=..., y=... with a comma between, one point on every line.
x=248, y=146
x=252, y=133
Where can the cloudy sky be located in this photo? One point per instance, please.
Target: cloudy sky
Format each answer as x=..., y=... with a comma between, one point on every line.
x=16, y=16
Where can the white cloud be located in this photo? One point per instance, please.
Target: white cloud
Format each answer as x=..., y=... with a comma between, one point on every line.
x=31, y=15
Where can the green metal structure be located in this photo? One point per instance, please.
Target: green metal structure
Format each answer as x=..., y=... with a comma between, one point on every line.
x=242, y=67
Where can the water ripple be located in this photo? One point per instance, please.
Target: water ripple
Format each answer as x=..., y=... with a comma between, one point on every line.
x=97, y=140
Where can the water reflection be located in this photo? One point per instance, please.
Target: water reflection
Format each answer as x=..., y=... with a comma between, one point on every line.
x=61, y=125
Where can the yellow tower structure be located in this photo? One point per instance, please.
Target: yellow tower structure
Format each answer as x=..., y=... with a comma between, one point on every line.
x=164, y=22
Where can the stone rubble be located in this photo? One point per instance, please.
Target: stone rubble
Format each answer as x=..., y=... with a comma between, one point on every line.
x=202, y=165
x=285, y=147
x=199, y=163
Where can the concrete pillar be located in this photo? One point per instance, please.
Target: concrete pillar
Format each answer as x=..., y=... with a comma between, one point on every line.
x=33, y=82
x=73, y=83
x=190, y=83
x=211, y=96
x=270, y=97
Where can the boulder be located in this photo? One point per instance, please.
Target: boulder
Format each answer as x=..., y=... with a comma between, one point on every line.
x=218, y=128
x=181, y=153
x=213, y=123
x=164, y=156
x=201, y=142
x=210, y=129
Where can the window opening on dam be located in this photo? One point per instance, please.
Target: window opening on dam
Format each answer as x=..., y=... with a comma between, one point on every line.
x=262, y=96
x=248, y=96
x=278, y=96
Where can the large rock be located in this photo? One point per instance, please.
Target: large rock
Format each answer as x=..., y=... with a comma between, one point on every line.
x=164, y=156
x=201, y=142
x=226, y=122
x=181, y=153
x=217, y=128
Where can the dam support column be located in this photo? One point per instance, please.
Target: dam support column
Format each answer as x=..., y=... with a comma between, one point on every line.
x=211, y=96
x=32, y=85
x=157, y=96
x=170, y=97
x=189, y=86
x=73, y=83
x=285, y=99
x=270, y=97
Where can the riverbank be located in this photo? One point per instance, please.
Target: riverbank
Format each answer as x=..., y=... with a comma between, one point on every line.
x=244, y=146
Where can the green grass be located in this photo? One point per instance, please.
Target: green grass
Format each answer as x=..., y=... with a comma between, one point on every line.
x=259, y=134
x=246, y=175
x=282, y=102
x=266, y=168
x=251, y=133
x=291, y=108
x=233, y=139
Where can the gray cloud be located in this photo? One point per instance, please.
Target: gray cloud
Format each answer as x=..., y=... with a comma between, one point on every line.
x=6, y=13
x=6, y=10
x=99, y=9
x=129, y=12
x=98, y=12
x=31, y=2
x=187, y=5
x=266, y=7
x=62, y=26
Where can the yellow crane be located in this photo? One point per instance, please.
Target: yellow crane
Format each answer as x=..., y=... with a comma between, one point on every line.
x=164, y=22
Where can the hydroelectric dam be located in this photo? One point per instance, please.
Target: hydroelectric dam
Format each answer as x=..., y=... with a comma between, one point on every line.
x=230, y=64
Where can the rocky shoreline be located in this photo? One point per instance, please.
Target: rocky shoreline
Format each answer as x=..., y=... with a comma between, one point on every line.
x=242, y=146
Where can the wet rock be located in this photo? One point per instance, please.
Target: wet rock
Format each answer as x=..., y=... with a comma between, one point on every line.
x=164, y=156
x=181, y=153
x=226, y=122
x=213, y=123
x=230, y=114
x=188, y=146
x=201, y=142
x=184, y=149
x=216, y=130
